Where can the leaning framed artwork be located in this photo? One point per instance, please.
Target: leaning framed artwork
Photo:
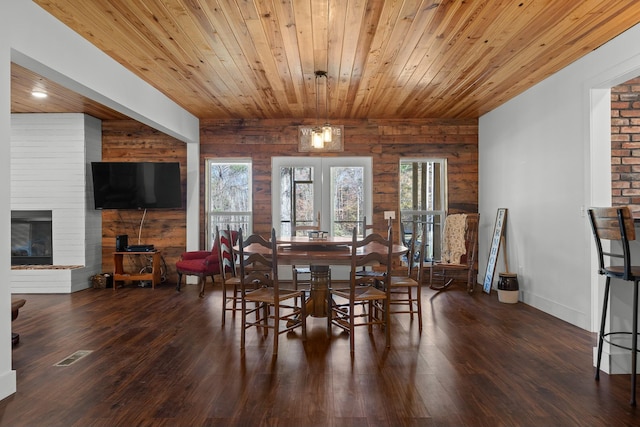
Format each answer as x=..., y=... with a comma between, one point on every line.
x=496, y=239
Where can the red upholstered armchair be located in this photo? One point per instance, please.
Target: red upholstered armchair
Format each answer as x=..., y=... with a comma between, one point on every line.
x=204, y=263
x=199, y=263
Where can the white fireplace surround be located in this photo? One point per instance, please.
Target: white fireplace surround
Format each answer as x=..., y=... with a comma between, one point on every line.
x=51, y=156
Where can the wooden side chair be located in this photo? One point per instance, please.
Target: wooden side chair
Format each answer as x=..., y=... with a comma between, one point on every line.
x=363, y=303
x=371, y=271
x=231, y=295
x=615, y=224
x=262, y=298
x=301, y=274
x=459, y=253
x=406, y=283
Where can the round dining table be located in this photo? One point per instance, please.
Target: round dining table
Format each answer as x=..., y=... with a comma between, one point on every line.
x=319, y=254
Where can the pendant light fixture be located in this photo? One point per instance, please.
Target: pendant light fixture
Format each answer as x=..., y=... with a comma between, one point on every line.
x=321, y=134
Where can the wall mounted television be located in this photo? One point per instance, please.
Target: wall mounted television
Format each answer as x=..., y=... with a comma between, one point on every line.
x=136, y=185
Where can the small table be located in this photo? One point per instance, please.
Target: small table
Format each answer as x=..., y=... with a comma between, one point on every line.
x=119, y=275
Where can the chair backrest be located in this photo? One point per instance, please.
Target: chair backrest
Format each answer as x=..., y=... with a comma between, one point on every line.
x=226, y=240
x=416, y=256
x=366, y=227
x=471, y=240
x=305, y=228
x=258, y=262
x=403, y=235
x=460, y=239
x=613, y=224
x=372, y=249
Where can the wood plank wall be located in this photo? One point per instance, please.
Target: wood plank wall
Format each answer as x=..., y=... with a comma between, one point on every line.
x=131, y=141
x=386, y=141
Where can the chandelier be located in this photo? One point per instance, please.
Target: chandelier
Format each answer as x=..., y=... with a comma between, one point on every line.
x=321, y=135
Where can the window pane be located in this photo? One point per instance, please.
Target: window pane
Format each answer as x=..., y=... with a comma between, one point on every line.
x=304, y=213
x=348, y=203
x=229, y=187
x=422, y=201
x=228, y=196
x=297, y=189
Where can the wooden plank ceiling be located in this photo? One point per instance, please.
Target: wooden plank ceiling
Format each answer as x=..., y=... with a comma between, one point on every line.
x=388, y=59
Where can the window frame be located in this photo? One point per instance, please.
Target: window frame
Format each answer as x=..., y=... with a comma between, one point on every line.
x=322, y=178
x=434, y=217
x=210, y=226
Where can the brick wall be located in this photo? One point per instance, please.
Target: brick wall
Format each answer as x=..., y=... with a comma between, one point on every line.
x=625, y=144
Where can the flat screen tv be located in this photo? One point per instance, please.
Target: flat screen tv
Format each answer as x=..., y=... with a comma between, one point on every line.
x=136, y=185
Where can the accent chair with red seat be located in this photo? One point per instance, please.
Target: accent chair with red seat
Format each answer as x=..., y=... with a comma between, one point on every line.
x=201, y=264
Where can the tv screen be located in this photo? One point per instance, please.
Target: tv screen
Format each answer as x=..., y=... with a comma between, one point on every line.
x=136, y=185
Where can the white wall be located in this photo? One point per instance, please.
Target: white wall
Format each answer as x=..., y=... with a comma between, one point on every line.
x=50, y=170
x=538, y=154
x=34, y=39
x=7, y=375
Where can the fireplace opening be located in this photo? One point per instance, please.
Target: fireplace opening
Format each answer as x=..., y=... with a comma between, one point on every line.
x=31, y=238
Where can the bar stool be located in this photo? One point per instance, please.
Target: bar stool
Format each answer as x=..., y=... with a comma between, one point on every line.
x=616, y=225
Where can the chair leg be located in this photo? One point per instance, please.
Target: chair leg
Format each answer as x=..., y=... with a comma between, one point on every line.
x=203, y=282
x=411, y=299
x=602, y=322
x=276, y=326
x=329, y=314
x=352, y=340
x=419, y=304
x=634, y=343
x=179, y=281
x=303, y=316
x=387, y=322
x=244, y=322
x=224, y=302
x=265, y=319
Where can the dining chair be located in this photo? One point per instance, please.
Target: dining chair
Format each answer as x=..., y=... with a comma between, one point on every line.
x=260, y=288
x=615, y=225
x=372, y=271
x=459, y=253
x=201, y=263
x=362, y=303
x=406, y=281
x=301, y=274
x=231, y=295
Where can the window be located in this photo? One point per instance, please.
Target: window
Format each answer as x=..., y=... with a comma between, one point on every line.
x=228, y=194
x=423, y=200
x=337, y=188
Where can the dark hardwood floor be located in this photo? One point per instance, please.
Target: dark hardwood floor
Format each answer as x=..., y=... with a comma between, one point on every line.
x=161, y=358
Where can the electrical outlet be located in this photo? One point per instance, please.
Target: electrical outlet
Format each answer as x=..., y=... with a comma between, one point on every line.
x=389, y=214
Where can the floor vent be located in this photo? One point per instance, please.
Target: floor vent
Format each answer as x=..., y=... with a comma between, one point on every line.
x=69, y=360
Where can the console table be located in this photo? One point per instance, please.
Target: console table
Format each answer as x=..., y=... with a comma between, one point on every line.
x=119, y=275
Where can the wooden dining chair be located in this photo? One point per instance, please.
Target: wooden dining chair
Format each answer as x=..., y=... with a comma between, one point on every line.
x=371, y=271
x=231, y=295
x=615, y=225
x=406, y=281
x=262, y=298
x=459, y=253
x=301, y=274
x=362, y=303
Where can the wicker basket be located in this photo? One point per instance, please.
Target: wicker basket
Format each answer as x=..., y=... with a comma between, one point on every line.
x=101, y=281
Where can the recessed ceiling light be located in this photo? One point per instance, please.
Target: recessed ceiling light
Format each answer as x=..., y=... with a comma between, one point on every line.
x=39, y=94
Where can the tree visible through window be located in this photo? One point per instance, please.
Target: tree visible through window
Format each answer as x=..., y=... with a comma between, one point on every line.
x=423, y=200
x=228, y=196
